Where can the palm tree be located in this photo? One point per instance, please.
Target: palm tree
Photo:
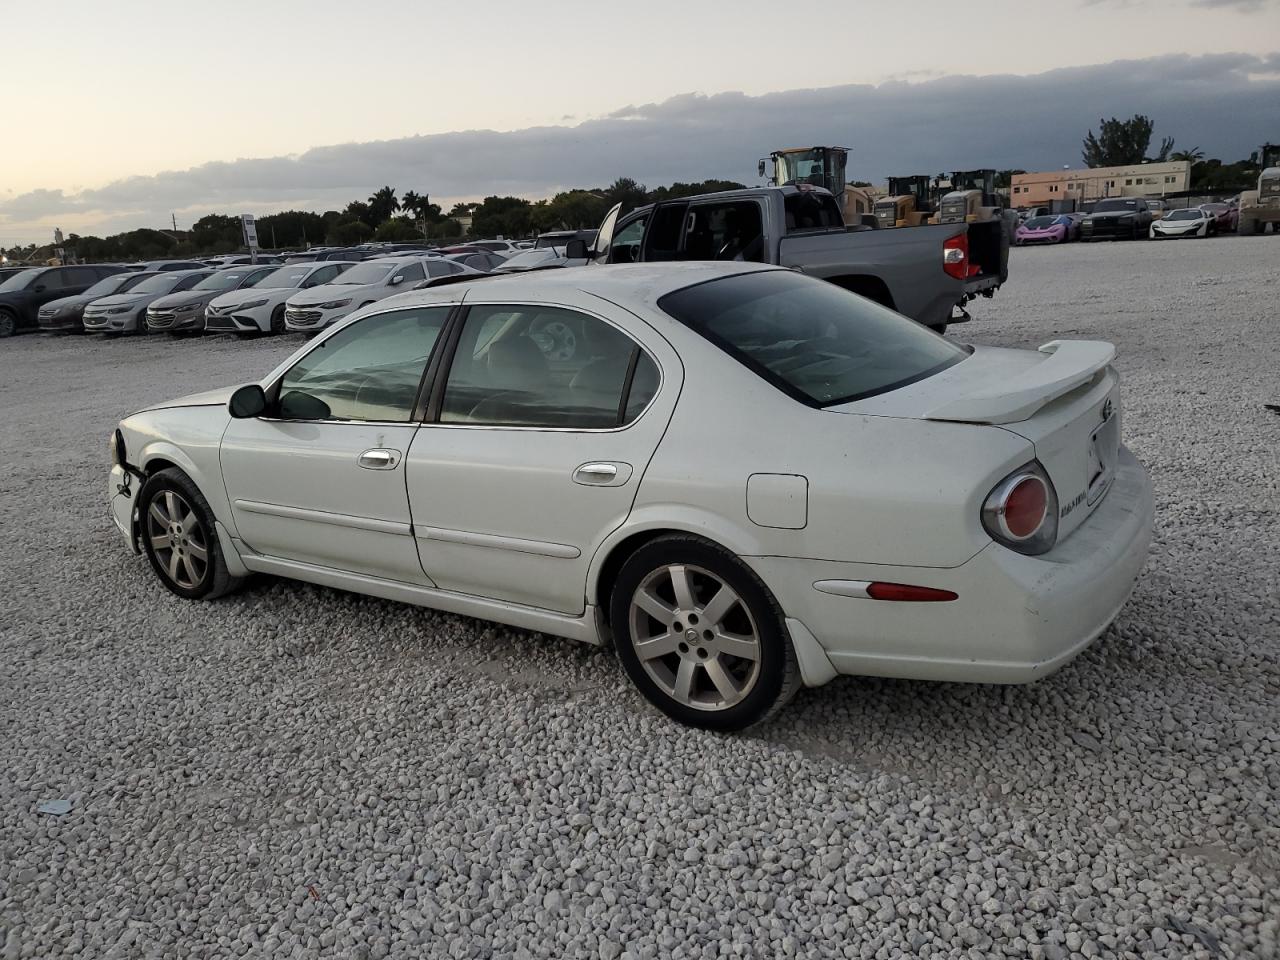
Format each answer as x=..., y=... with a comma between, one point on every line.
x=413, y=202
x=383, y=204
x=1194, y=155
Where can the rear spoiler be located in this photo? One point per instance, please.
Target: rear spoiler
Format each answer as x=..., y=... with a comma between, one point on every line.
x=1068, y=364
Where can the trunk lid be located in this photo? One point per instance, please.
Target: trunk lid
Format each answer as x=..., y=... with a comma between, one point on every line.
x=1064, y=399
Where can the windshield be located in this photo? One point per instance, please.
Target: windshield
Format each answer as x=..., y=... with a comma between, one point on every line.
x=1039, y=223
x=364, y=273
x=289, y=276
x=530, y=258
x=160, y=283
x=19, y=281
x=812, y=340
x=222, y=280
x=116, y=283
x=1106, y=206
x=1184, y=215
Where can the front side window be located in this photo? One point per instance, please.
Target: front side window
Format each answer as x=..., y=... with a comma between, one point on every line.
x=814, y=341
x=323, y=275
x=538, y=366
x=369, y=370
x=627, y=242
x=412, y=271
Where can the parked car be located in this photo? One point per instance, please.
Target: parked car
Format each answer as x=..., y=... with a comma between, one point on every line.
x=262, y=310
x=484, y=262
x=127, y=312
x=1226, y=215
x=559, y=239
x=1117, y=218
x=344, y=254
x=67, y=313
x=1193, y=222
x=183, y=311
x=505, y=247
x=359, y=286
x=1053, y=229
x=542, y=258
x=23, y=294
x=1031, y=212
x=729, y=470
x=1158, y=209
x=153, y=266
x=242, y=259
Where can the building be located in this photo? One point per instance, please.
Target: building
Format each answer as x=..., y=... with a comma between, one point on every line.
x=1139, y=180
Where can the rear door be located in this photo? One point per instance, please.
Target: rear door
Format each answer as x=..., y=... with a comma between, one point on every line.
x=535, y=444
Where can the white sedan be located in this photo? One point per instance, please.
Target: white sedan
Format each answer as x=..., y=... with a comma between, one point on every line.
x=260, y=309
x=359, y=286
x=743, y=478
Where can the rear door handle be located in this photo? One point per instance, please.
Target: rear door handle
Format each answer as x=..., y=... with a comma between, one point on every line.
x=598, y=474
x=379, y=459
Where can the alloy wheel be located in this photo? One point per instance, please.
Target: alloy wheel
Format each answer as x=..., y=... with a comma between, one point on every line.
x=178, y=539
x=8, y=325
x=695, y=637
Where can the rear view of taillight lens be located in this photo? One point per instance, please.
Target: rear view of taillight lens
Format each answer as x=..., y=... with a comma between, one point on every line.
x=1022, y=511
x=955, y=256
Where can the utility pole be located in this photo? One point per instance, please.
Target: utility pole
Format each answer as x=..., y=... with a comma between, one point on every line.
x=175, y=223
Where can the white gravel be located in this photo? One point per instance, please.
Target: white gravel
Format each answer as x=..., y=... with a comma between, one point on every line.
x=295, y=771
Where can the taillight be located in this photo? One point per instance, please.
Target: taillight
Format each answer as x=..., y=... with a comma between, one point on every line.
x=955, y=256
x=1022, y=511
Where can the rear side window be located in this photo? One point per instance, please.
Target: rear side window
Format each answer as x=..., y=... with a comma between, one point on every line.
x=538, y=366
x=814, y=341
x=812, y=211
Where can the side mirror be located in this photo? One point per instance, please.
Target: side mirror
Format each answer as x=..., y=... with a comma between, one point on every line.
x=296, y=405
x=760, y=168
x=397, y=280
x=576, y=249
x=247, y=402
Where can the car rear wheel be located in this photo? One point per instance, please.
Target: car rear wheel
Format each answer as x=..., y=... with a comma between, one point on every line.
x=700, y=635
x=180, y=539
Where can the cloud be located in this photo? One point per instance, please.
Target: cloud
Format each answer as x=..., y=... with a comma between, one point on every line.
x=896, y=127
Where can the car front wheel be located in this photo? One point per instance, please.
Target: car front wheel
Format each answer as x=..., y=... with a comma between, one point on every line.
x=701, y=636
x=180, y=539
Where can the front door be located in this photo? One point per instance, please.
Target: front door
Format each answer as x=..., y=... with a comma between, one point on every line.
x=544, y=427
x=322, y=478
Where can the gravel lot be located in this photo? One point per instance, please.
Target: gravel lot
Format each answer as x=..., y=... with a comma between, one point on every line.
x=295, y=771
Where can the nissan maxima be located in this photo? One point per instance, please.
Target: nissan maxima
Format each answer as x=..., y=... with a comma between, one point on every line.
x=744, y=479
x=183, y=312
x=127, y=312
x=261, y=310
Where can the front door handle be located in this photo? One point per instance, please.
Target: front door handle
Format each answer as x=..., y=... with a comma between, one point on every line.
x=598, y=474
x=379, y=459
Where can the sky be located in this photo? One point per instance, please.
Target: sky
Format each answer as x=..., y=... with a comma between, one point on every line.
x=130, y=112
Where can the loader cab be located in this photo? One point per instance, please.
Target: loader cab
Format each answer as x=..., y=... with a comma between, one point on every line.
x=972, y=198
x=909, y=202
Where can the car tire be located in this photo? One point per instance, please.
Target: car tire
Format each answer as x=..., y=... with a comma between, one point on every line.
x=179, y=537
x=707, y=659
x=8, y=323
x=277, y=321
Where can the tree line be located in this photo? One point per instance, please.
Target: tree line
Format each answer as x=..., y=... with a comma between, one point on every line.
x=386, y=215
x=1124, y=143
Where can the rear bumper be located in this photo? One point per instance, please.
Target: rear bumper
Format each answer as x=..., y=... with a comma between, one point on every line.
x=1016, y=619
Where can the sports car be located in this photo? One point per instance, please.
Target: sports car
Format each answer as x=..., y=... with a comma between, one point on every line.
x=743, y=479
x=1193, y=222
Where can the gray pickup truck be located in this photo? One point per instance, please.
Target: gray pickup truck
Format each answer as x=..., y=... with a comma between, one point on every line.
x=927, y=273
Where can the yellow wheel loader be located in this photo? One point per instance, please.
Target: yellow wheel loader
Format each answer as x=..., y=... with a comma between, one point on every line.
x=823, y=167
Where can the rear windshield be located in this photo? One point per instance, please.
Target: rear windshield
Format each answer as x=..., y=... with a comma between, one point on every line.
x=814, y=341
